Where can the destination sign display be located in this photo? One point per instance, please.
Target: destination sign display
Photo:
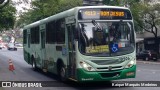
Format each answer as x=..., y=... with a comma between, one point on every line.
x=102, y=14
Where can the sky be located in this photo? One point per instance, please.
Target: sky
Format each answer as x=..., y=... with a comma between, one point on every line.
x=21, y=5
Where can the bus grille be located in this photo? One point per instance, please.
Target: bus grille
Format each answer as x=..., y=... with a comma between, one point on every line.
x=107, y=62
x=110, y=68
x=106, y=75
x=113, y=68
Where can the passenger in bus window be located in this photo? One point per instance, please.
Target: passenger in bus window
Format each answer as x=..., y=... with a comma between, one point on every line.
x=112, y=32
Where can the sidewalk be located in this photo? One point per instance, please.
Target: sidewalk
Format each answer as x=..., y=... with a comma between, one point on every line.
x=148, y=62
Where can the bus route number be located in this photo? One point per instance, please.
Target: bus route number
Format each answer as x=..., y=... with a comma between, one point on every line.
x=90, y=13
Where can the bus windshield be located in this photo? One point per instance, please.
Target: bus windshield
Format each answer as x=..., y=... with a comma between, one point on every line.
x=106, y=38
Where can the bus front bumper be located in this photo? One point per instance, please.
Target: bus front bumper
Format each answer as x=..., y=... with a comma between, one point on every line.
x=83, y=75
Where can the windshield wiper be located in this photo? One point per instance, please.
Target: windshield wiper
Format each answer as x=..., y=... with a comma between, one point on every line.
x=96, y=25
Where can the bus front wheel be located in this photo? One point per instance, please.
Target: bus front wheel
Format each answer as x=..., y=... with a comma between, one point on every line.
x=62, y=73
x=34, y=67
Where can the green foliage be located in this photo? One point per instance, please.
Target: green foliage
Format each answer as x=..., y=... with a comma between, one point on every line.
x=136, y=8
x=7, y=17
x=45, y=8
x=146, y=17
x=3, y=3
x=119, y=2
x=112, y=2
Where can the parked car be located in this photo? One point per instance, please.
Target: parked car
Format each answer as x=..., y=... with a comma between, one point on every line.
x=11, y=46
x=147, y=55
x=154, y=55
x=18, y=45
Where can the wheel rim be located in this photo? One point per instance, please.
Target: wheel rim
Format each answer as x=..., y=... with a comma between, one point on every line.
x=62, y=72
x=33, y=65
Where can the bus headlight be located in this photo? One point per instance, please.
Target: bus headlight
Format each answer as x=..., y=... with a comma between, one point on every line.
x=130, y=64
x=86, y=66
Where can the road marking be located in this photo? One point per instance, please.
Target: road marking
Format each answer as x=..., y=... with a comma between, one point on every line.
x=138, y=70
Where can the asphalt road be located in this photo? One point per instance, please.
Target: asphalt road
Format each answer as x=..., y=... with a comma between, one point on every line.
x=146, y=71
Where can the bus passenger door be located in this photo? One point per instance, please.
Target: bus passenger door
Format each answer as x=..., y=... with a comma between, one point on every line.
x=29, y=40
x=71, y=51
x=42, y=47
x=28, y=47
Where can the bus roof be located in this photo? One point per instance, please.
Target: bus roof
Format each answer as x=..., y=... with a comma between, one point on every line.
x=66, y=13
x=104, y=6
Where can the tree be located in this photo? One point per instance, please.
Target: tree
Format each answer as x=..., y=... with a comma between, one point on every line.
x=45, y=8
x=151, y=22
x=119, y=2
x=7, y=17
x=147, y=18
x=13, y=33
x=3, y=3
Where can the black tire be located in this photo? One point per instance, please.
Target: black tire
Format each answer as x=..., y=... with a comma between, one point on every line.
x=62, y=73
x=15, y=49
x=34, y=66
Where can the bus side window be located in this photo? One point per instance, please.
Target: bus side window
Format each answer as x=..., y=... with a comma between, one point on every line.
x=51, y=32
x=60, y=31
x=74, y=36
x=24, y=36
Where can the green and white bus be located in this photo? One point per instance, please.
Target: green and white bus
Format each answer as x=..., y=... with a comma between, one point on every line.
x=87, y=43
